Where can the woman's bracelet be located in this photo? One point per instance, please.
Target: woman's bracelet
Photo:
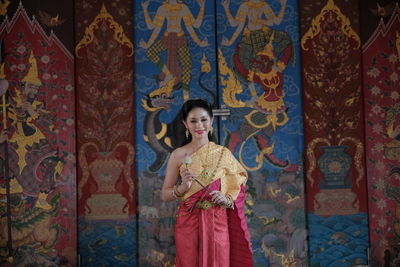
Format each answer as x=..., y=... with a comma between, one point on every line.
x=176, y=193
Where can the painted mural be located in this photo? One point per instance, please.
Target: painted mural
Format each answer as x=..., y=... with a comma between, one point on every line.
x=334, y=134
x=276, y=189
x=259, y=75
x=106, y=184
x=175, y=60
x=381, y=56
x=37, y=144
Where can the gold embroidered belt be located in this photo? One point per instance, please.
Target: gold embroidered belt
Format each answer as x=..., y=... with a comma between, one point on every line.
x=205, y=204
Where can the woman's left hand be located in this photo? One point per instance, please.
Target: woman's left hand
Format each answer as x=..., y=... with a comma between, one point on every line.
x=218, y=198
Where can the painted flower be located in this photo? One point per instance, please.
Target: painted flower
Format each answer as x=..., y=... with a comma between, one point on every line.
x=378, y=147
x=380, y=185
x=70, y=157
x=393, y=58
x=377, y=128
x=45, y=59
x=335, y=167
x=394, y=77
x=69, y=121
x=376, y=109
x=394, y=95
x=46, y=76
x=373, y=72
x=380, y=166
x=382, y=222
x=122, y=12
x=69, y=88
x=381, y=203
x=375, y=90
x=21, y=49
x=21, y=67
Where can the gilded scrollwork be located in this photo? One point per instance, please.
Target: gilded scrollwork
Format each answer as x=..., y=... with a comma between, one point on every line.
x=315, y=28
x=119, y=34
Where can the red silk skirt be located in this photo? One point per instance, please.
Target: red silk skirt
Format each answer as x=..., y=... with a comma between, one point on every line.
x=211, y=236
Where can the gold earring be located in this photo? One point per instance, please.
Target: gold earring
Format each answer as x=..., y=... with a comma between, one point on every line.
x=187, y=133
x=211, y=130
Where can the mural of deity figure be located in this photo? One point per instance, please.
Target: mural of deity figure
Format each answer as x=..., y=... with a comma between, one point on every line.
x=259, y=60
x=173, y=41
x=33, y=163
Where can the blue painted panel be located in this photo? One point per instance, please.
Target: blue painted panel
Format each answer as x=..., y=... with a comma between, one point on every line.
x=158, y=100
x=259, y=82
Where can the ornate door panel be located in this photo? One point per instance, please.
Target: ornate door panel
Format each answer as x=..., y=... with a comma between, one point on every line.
x=174, y=60
x=263, y=130
x=106, y=182
x=334, y=133
x=259, y=82
x=382, y=115
x=38, y=117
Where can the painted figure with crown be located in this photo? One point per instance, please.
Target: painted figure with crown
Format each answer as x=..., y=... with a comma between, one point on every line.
x=34, y=165
x=172, y=40
x=259, y=60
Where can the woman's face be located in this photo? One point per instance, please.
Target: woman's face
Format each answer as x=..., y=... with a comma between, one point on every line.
x=198, y=122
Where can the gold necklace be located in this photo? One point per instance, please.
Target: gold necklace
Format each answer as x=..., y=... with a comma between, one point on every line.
x=206, y=174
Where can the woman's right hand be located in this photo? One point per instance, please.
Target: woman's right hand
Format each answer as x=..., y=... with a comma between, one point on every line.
x=187, y=178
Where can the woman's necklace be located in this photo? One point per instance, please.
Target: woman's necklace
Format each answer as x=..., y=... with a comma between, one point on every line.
x=206, y=175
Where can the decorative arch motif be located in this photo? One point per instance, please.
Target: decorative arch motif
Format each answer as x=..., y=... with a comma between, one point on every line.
x=119, y=35
x=315, y=28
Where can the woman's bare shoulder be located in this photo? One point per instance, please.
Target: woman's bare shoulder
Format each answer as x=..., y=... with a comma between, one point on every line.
x=179, y=153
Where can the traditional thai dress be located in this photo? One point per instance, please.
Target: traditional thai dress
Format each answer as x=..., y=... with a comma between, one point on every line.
x=207, y=234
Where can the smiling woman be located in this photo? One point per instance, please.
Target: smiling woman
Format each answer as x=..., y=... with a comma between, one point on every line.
x=211, y=228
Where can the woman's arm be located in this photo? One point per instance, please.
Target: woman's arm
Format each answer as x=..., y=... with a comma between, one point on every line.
x=171, y=190
x=171, y=178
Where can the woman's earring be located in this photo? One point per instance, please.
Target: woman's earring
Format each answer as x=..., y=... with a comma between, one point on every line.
x=211, y=130
x=187, y=133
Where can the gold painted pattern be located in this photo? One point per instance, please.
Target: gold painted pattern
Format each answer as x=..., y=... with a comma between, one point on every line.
x=232, y=85
x=315, y=28
x=119, y=35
